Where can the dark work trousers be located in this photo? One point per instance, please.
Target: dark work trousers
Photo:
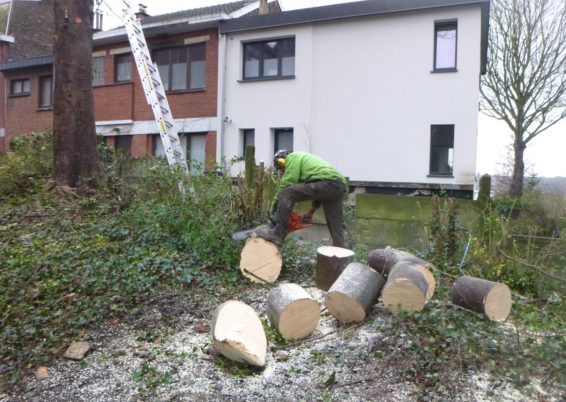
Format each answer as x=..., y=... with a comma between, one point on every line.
x=329, y=193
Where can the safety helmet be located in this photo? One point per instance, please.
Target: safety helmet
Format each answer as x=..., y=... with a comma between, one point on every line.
x=279, y=159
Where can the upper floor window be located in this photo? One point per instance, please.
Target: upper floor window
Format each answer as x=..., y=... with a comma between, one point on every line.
x=283, y=139
x=122, y=67
x=46, y=92
x=182, y=68
x=20, y=87
x=98, y=70
x=271, y=58
x=445, y=40
x=441, y=149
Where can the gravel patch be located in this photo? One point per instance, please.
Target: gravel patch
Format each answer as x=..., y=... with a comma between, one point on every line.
x=161, y=352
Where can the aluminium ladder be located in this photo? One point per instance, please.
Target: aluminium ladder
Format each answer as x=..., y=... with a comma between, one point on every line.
x=154, y=91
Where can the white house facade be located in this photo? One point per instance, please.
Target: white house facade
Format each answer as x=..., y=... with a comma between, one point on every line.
x=387, y=92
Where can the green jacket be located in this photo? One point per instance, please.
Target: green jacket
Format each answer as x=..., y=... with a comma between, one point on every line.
x=302, y=167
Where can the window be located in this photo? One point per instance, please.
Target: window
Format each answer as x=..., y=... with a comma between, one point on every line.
x=98, y=71
x=19, y=87
x=123, y=144
x=122, y=68
x=193, y=144
x=248, y=135
x=442, y=149
x=266, y=59
x=283, y=139
x=46, y=92
x=182, y=68
x=445, y=38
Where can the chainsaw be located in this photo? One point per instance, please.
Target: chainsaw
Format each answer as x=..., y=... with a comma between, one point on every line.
x=295, y=223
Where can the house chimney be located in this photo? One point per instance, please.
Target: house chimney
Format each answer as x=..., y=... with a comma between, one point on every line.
x=97, y=21
x=142, y=13
x=263, y=8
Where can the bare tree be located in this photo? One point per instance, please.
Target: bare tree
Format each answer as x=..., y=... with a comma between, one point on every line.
x=525, y=84
x=74, y=131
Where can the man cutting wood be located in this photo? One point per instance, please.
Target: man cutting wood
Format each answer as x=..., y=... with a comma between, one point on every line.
x=306, y=177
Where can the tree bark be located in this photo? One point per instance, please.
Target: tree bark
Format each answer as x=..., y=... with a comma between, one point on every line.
x=354, y=293
x=238, y=334
x=518, y=176
x=292, y=311
x=490, y=298
x=384, y=259
x=261, y=260
x=74, y=147
x=330, y=262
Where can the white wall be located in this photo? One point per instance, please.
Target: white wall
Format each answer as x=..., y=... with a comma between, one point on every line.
x=364, y=97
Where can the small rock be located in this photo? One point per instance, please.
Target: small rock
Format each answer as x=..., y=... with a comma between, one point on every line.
x=77, y=350
x=41, y=373
x=281, y=356
x=201, y=328
x=141, y=353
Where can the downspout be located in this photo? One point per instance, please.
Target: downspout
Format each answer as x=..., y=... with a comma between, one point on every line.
x=5, y=101
x=222, y=78
x=9, y=15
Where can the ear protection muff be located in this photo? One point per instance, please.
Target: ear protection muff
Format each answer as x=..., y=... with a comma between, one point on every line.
x=281, y=162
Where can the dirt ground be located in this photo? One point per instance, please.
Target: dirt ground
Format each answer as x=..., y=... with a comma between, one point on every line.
x=161, y=352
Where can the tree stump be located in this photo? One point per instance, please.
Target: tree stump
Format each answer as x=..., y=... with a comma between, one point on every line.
x=408, y=287
x=354, y=293
x=490, y=298
x=330, y=262
x=383, y=259
x=261, y=260
x=292, y=311
x=238, y=334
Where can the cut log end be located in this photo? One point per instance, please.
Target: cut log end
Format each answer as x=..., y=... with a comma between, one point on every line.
x=345, y=308
x=330, y=262
x=261, y=260
x=498, y=302
x=238, y=334
x=292, y=311
x=403, y=296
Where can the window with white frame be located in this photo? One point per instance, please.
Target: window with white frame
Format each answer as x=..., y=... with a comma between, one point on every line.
x=445, y=41
x=183, y=67
x=269, y=59
x=98, y=70
x=194, y=145
x=441, y=149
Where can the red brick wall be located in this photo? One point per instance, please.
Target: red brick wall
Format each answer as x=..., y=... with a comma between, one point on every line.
x=113, y=102
x=210, y=150
x=22, y=112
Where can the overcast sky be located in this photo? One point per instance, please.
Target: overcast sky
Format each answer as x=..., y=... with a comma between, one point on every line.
x=545, y=155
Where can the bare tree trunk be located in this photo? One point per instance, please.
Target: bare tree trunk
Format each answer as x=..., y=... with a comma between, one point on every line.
x=75, y=157
x=518, y=178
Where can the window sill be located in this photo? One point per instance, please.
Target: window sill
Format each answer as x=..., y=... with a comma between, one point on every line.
x=183, y=91
x=441, y=175
x=20, y=95
x=45, y=109
x=287, y=77
x=444, y=70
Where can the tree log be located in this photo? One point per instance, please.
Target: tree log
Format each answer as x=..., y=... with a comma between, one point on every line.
x=408, y=287
x=292, y=311
x=238, y=334
x=490, y=298
x=354, y=293
x=330, y=262
x=261, y=260
x=383, y=259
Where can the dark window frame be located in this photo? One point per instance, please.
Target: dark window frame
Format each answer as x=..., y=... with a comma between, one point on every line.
x=276, y=141
x=439, y=26
x=118, y=58
x=123, y=143
x=169, y=50
x=261, y=74
x=49, y=105
x=435, y=129
x=20, y=92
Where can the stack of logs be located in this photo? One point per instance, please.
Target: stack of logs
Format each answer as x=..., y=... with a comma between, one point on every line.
x=404, y=282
